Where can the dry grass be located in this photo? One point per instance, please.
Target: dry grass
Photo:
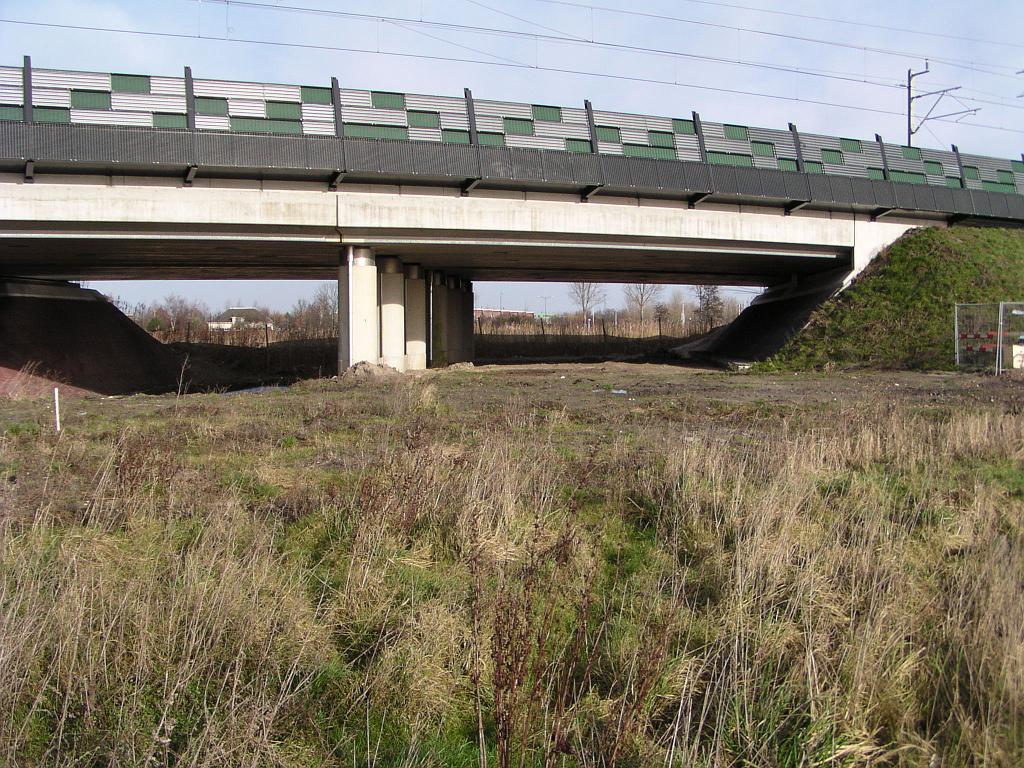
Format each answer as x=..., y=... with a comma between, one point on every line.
x=427, y=573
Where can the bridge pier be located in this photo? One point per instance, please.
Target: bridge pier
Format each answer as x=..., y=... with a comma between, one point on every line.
x=415, y=318
x=358, y=315
x=468, y=323
x=438, y=320
x=392, y=312
x=454, y=320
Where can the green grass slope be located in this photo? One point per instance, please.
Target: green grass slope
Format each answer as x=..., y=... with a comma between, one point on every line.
x=899, y=311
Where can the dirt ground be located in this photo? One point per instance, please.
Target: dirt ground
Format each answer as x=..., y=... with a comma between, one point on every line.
x=597, y=391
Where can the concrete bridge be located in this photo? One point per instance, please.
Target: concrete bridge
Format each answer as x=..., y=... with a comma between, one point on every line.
x=406, y=224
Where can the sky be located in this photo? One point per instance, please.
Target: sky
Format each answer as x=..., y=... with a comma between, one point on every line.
x=833, y=68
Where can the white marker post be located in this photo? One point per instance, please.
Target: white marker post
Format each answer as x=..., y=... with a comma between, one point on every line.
x=56, y=408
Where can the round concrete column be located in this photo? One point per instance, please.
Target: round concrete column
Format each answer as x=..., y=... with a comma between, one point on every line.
x=415, y=318
x=454, y=320
x=357, y=307
x=392, y=312
x=438, y=320
x=468, y=322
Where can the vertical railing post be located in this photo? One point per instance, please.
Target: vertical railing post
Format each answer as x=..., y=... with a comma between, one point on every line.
x=474, y=137
x=960, y=167
x=698, y=128
x=26, y=86
x=799, y=147
x=885, y=157
x=591, y=125
x=999, y=341
x=339, y=123
x=336, y=104
x=190, y=100
x=956, y=334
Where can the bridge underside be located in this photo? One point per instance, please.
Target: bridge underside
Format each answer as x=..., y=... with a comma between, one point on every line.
x=168, y=255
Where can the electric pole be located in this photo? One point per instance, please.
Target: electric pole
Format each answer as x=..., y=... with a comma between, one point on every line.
x=911, y=98
x=911, y=74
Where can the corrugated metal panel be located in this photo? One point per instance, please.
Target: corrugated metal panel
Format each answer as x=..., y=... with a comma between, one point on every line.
x=167, y=86
x=144, y=102
x=54, y=78
x=636, y=122
x=609, y=148
x=574, y=116
x=503, y=109
x=486, y=123
x=11, y=94
x=282, y=93
x=855, y=164
x=716, y=141
x=102, y=117
x=375, y=116
x=323, y=113
x=987, y=165
x=253, y=91
x=563, y=130
x=315, y=128
x=351, y=98
x=783, y=140
x=49, y=97
x=459, y=122
x=535, y=142
x=10, y=76
x=246, y=108
x=897, y=162
x=659, y=124
x=226, y=89
x=633, y=135
x=946, y=159
x=621, y=120
x=213, y=123
x=435, y=103
x=425, y=134
x=687, y=147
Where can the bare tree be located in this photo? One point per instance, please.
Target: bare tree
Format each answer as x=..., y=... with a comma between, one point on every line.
x=586, y=296
x=710, y=307
x=677, y=307
x=316, y=318
x=641, y=295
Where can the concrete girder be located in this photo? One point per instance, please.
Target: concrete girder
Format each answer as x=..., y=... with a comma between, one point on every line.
x=117, y=227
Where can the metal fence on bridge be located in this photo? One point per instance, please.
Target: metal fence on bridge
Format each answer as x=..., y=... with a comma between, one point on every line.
x=990, y=337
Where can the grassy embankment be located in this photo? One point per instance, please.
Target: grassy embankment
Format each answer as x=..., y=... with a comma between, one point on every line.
x=899, y=311
x=394, y=573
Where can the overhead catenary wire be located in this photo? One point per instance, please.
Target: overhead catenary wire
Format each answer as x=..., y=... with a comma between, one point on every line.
x=968, y=64
x=834, y=20
x=437, y=57
x=569, y=40
x=565, y=38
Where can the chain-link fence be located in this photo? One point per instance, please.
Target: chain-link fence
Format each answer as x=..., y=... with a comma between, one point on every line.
x=1011, y=336
x=990, y=337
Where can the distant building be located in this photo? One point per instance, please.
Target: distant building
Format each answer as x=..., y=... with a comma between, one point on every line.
x=234, y=318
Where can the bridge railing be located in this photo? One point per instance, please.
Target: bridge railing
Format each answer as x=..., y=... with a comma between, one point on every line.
x=116, y=149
